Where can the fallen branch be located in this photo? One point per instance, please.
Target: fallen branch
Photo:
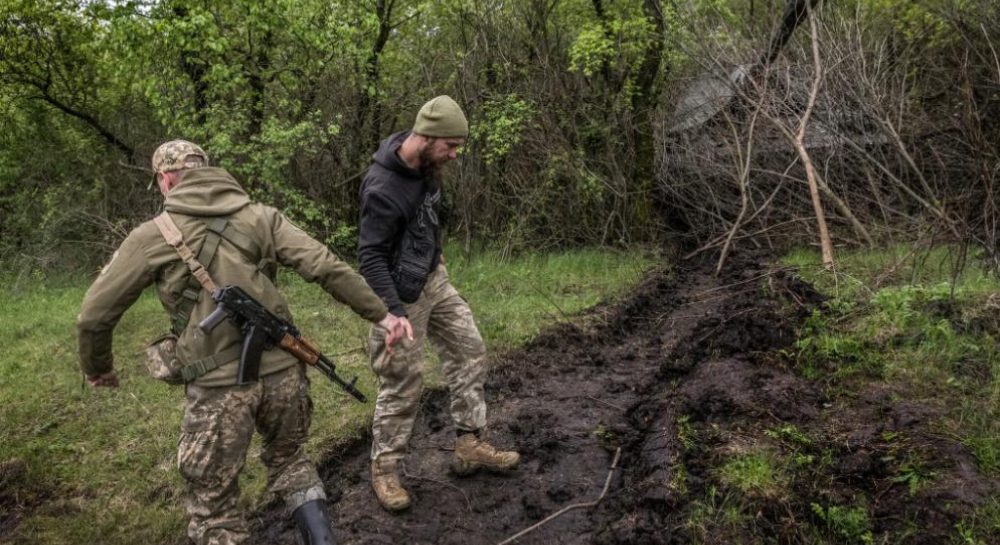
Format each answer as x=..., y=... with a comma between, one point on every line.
x=553, y=516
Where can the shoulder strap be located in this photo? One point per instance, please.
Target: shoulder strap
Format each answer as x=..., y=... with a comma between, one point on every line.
x=173, y=235
x=198, y=266
x=226, y=230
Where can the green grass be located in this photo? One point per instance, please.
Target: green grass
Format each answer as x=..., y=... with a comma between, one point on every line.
x=859, y=273
x=107, y=456
x=921, y=324
x=849, y=523
x=718, y=517
x=758, y=473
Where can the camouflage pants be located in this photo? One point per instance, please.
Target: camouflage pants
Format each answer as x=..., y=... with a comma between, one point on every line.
x=441, y=315
x=215, y=435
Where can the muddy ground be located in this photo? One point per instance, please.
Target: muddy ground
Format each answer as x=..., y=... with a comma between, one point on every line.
x=686, y=377
x=687, y=373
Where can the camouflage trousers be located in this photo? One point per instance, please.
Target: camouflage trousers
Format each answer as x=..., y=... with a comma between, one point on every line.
x=215, y=435
x=441, y=315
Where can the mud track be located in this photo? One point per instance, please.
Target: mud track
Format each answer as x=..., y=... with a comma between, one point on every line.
x=680, y=376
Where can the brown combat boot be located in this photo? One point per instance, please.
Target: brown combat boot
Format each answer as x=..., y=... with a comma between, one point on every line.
x=472, y=453
x=388, y=489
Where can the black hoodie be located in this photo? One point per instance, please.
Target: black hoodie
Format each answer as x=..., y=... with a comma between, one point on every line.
x=399, y=242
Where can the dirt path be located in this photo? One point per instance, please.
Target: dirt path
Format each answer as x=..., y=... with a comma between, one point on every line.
x=681, y=376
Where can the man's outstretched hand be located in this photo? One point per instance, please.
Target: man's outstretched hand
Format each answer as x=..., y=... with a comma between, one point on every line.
x=396, y=328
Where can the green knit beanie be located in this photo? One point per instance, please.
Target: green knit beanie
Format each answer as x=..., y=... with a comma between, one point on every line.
x=441, y=117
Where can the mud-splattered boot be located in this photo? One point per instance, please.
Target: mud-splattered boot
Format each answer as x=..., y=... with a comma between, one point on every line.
x=472, y=453
x=388, y=489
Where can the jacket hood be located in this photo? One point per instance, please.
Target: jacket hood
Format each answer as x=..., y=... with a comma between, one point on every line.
x=208, y=191
x=387, y=156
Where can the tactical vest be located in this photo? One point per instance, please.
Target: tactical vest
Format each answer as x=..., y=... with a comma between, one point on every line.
x=217, y=229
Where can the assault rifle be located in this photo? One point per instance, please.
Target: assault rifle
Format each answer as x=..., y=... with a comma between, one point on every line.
x=262, y=330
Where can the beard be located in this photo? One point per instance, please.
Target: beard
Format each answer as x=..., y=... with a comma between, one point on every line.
x=430, y=167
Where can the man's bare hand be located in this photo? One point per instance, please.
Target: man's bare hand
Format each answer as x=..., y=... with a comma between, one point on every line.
x=105, y=380
x=396, y=328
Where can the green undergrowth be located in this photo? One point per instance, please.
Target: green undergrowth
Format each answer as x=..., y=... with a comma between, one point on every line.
x=926, y=325
x=98, y=466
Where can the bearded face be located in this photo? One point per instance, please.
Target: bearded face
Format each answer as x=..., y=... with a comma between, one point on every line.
x=437, y=152
x=430, y=165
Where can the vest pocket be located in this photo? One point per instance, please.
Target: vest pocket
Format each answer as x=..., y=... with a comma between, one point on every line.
x=162, y=362
x=413, y=265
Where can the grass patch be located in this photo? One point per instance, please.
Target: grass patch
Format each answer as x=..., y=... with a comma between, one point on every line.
x=850, y=523
x=917, y=321
x=757, y=473
x=718, y=517
x=860, y=273
x=108, y=455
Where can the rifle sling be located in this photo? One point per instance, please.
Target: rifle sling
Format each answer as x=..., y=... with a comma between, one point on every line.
x=174, y=238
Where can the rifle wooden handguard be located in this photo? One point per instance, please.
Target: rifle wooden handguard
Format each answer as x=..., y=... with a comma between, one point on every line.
x=302, y=349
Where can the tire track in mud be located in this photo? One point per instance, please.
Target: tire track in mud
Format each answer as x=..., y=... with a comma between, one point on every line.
x=566, y=401
x=685, y=348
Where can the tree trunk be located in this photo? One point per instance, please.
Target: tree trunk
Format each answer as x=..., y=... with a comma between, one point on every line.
x=643, y=106
x=826, y=246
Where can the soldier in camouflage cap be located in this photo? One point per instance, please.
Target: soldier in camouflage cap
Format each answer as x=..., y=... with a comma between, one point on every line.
x=399, y=248
x=177, y=155
x=239, y=243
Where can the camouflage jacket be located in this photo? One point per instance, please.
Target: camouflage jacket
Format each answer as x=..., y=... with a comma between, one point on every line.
x=258, y=238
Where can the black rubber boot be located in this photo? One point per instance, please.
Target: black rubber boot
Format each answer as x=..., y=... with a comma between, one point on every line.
x=314, y=522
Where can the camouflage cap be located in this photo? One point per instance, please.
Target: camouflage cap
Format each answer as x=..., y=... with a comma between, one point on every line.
x=177, y=155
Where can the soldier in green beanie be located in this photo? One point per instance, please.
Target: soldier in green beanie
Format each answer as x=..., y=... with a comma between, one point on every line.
x=399, y=248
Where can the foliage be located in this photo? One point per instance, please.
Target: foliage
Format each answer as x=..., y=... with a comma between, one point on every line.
x=293, y=96
x=571, y=104
x=884, y=75
x=686, y=433
x=924, y=23
x=591, y=49
x=500, y=129
x=718, y=510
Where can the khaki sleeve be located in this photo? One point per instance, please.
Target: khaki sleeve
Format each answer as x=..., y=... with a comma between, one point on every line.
x=117, y=287
x=316, y=263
